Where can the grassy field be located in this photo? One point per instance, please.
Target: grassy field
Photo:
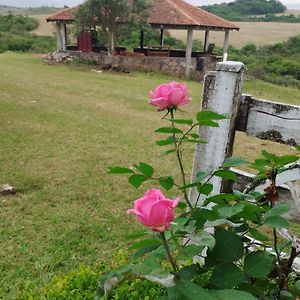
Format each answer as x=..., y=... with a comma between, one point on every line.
x=44, y=27
x=60, y=129
x=258, y=33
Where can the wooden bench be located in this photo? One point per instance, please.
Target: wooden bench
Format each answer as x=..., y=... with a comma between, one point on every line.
x=162, y=51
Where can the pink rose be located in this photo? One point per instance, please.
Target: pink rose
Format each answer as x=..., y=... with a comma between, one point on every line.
x=169, y=95
x=154, y=210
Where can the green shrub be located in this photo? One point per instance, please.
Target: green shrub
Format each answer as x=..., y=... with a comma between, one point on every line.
x=17, y=24
x=26, y=43
x=137, y=289
x=82, y=283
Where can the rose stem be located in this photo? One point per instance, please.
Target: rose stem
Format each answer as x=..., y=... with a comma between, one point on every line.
x=180, y=163
x=169, y=256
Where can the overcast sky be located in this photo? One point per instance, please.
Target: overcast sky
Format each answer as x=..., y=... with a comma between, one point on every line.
x=60, y=3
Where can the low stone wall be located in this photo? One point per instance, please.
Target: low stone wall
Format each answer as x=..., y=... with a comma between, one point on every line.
x=166, y=65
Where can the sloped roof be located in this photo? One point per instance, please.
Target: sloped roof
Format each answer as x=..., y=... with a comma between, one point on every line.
x=170, y=13
x=67, y=15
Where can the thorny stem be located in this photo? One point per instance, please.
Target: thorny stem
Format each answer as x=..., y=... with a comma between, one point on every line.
x=169, y=256
x=180, y=163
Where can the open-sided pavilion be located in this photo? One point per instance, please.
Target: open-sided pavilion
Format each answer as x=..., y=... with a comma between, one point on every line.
x=163, y=15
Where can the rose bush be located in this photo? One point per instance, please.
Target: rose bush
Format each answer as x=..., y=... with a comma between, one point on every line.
x=169, y=96
x=220, y=246
x=154, y=210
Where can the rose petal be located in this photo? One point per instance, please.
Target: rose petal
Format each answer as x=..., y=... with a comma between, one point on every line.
x=161, y=103
x=157, y=214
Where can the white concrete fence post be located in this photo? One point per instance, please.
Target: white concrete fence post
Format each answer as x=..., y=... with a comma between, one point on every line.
x=222, y=94
x=59, y=41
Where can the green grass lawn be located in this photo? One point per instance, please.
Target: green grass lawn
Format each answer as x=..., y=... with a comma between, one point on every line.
x=60, y=129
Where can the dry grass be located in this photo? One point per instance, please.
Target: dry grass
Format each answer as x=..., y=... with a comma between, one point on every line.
x=258, y=33
x=44, y=27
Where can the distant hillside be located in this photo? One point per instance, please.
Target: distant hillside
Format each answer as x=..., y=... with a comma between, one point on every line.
x=241, y=9
x=46, y=10
x=6, y=6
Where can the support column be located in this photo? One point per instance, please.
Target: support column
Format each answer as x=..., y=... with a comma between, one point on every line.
x=225, y=47
x=58, y=36
x=162, y=37
x=188, y=53
x=64, y=36
x=222, y=93
x=142, y=40
x=206, y=41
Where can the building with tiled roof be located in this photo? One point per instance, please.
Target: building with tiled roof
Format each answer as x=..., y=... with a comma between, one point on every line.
x=163, y=15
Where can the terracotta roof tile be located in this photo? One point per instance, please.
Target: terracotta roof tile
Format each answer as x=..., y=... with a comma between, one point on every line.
x=172, y=13
x=64, y=15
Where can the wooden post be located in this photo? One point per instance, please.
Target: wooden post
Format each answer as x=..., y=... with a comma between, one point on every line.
x=188, y=53
x=142, y=40
x=162, y=36
x=225, y=47
x=58, y=36
x=206, y=41
x=222, y=93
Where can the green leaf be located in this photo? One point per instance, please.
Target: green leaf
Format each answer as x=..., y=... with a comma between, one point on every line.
x=189, y=251
x=229, y=246
x=258, y=264
x=182, y=121
x=285, y=295
x=201, y=175
x=220, y=198
x=232, y=295
x=165, y=142
x=135, y=235
x=136, y=180
x=277, y=222
x=209, y=115
x=297, y=283
x=145, y=250
x=226, y=174
x=278, y=210
x=227, y=211
x=119, y=170
x=297, y=147
x=166, y=182
x=193, y=135
x=269, y=156
x=202, y=238
x=170, y=151
x=195, y=141
x=233, y=161
x=258, y=235
x=146, y=243
x=189, y=291
x=208, y=123
x=188, y=272
x=205, y=189
x=146, y=169
x=286, y=159
x=168, y=130
x=227, y=276
x=221, y=222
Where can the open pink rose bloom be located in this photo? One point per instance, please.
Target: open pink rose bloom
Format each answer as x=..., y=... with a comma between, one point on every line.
x=154, y=210
x=169, y=95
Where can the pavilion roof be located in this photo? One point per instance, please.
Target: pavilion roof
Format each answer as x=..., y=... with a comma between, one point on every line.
x=167, y=13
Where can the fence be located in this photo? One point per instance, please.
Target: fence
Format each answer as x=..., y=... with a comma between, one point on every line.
x=260, y=118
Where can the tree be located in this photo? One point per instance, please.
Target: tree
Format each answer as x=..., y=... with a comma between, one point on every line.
x=109, y=14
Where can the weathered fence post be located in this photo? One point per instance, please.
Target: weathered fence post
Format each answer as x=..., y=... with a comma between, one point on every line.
x=222, y=93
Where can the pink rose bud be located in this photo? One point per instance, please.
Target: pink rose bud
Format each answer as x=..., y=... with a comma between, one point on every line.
x=169, y=95
x=154, y=210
